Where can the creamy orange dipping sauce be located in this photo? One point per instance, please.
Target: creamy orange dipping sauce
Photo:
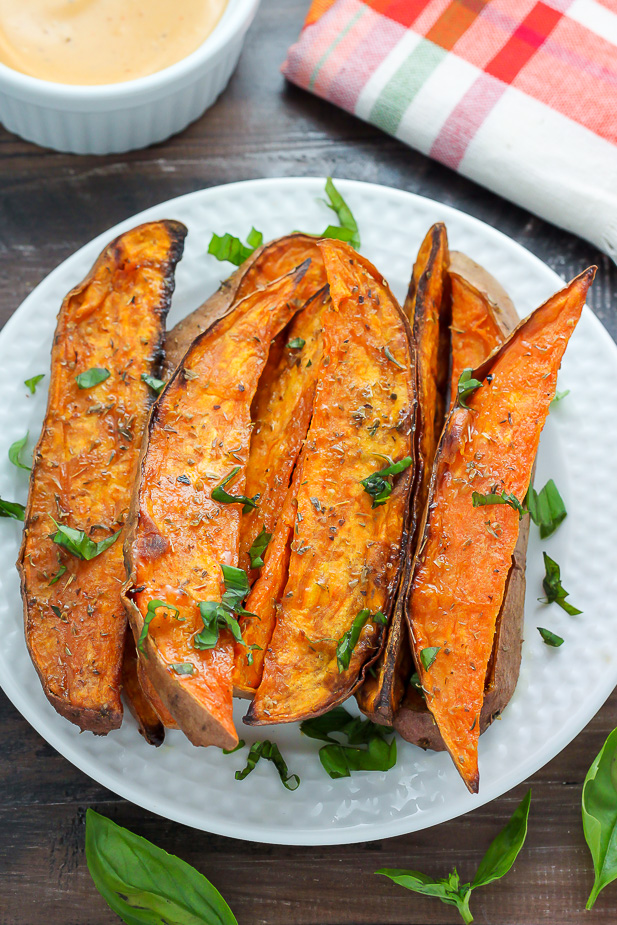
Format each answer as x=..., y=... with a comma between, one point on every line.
x=102, y=41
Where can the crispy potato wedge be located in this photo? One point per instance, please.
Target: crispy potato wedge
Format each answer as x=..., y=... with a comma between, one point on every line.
x=428, y=308
x=460, y=575
x=84, y=465
x=150, y=693
x=147, y=719
x=179, y=535
x=345, y=554
x=482, y=317
x=281, y=413
x=266, y=263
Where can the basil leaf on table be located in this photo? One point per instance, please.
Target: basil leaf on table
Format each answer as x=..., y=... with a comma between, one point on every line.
x=599, y=807
x=145, y=885
x=15, y=453
x=497, y=861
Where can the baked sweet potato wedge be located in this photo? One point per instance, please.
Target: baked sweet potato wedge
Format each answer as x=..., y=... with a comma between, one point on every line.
x=466, y=551
x=349, y=525
x=147, y=719
x=109, y=334
x=427, y=307
x=184, y=524
x=482, y=317
x=266, y=263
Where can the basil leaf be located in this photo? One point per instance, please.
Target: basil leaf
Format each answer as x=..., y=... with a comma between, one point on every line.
x=321, y=727
x=392, y=359
x=466, y=387
x=546, y=508
x=79, y=544
x=153, y=606
x=145, y=885
x=157, y=385
x=491, y=497
x=558, y=397
x=551, y=639
x=183, y=668
x=15, y=452
x=503, y=850
x=555, y=592
x=599, y=807
x=236, y=587
x=92, y=377
x=221, y=615
x=270, y=751
x=58, y=575
x=499, y=858
x=349, y=227
x=341, y=760
x=258, y=548
x=12, y=509
x=223, y=497
x=296, y=343
x=349, y=640
x=228, y=247
x=230, y=751
x=379, y=484
x=428, y=656
x=33, y=382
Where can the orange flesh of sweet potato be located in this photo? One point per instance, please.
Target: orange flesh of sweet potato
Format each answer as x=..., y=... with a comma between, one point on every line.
x=466, y=552
x=84, y=466
x=199, y=432
x=281, y=413
x=345, y=554
x=140, y=706
x=475, y=331
x=266, y=264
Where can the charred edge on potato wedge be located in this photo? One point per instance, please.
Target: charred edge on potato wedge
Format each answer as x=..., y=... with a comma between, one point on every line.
x=179, y=536
x=427, y=307
x=266, y=264
x=454, y=610
x=147, y=719
x=345, y=554
x=84, y=466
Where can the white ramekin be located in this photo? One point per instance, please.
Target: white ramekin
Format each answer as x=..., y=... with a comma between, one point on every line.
x=120, y=117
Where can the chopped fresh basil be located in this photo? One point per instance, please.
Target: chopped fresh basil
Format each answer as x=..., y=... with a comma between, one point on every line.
x=157, y=385
x=348, y=228
x=12, y=509
x=379, y=484
x=223, y=497
x=143, y=883
x=349, y=639
x=33, y=382
x=558, y=397
x=499, y=858
x=392, y=359
x=227, y=247
x=250, y=655
x=502, y=497
x=428, y=656
x=258, y=548
x=230, y=751
x=296, y=343
x=153, y=606
x=217, y=615
x=599, y=805
x=551, y=639
x=414, y=682
x=15, y=452
x=270, y=751
x=546, y=508
x=92, y=377
x=340, y=759
x=183, y=668
x=79, y=543
x=58, y=575
x=466, y=387
x=555, y=593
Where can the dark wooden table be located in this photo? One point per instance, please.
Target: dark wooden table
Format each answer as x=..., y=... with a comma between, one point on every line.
x=51, y=204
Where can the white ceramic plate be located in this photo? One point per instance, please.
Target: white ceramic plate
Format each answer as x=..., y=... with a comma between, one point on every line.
x=559, y=689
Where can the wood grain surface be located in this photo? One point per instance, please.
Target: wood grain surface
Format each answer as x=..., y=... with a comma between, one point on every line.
x=51, y=204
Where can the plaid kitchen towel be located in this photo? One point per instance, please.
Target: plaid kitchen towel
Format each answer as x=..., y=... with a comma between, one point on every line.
x=518, y=95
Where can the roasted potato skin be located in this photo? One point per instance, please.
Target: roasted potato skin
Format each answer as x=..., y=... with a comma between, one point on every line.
x=84, y=465
x=178, y=534
x=266, y=263
x=147, y=719
x=460, y=576
x=345, y=554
